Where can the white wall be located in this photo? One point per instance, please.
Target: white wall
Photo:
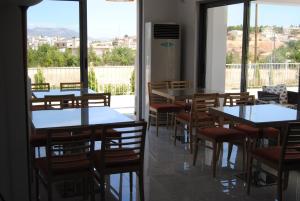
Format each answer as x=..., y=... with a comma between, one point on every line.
x=216, y=49
x=187, y=14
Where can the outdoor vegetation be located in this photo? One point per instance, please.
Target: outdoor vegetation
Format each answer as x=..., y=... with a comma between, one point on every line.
x=50, y=56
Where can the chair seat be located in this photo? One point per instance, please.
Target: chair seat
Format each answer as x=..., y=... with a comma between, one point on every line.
x=185, y=105
x=221, y=134
x=116, y=158
x=40, y=139
x=186, y=116
x=253, y=132
x=68, y=164
x=165, y=107
x=272, y=154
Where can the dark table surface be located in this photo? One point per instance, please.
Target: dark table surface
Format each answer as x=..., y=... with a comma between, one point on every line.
x=258, y=115
x=54, y=92
x=45, y=119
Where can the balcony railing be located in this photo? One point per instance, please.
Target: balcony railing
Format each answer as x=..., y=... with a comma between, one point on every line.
x=261, y=74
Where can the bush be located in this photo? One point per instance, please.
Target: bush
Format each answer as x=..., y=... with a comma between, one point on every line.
x=132, y=82
x=39, y=77
x=93, y=83
x=116, y=89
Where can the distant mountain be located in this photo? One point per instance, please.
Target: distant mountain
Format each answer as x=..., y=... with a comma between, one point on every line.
x=51, y=32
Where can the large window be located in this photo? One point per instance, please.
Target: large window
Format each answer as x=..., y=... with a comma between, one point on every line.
x=274, y=45
x=53, y=42
x=112, y=45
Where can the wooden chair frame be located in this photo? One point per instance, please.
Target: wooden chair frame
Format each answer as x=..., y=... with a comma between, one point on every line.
x=200, y=106
x=40, y=87
x=71, y=85
x=290, y=147
x=66, y=150
x=156, y=99
x=121, y=154
x=60, y=101
x=97, y=99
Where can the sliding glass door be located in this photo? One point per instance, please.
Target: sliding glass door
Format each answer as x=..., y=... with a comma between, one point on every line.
x=274, y=46
x=53, y=42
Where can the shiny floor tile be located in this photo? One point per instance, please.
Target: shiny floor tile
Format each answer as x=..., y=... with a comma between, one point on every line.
x=170, y=176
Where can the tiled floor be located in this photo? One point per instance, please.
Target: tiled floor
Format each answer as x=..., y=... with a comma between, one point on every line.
x=170, y=176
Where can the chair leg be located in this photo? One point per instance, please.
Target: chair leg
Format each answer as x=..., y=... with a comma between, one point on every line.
x=50, y=195
x=279, y=186
x=175, y=133
x=249, y=173
x=157, y=124
x=286, y=180
x=141, y=185
x=149, y=121
x=102, y=187
x=244, y=154
x=130, y=181
x=92, y=188
x=191, y=138
x=214, y=159
x=37, y=189
x=196, y=151
x=230, y=146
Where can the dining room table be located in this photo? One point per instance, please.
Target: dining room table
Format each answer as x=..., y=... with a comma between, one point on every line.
x=182, y=93
x=259, y=116
x=90, y=116
x=57, y=92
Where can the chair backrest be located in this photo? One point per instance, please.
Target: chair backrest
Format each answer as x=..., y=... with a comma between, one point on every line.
x=60, y=101
x=202, y=102
x=243, y=98
x=40, y=87
x=291, y=143
x=153, y=98
x=71, y=85
x=38, y=104
x=125, y=142
x=179, y=84
x=97, y=99
x=200, y=106
x=69, y=148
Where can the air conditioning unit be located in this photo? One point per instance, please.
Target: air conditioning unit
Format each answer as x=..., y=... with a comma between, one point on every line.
x=162, y=51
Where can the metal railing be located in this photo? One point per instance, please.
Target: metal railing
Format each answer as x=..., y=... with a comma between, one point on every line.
x=261, y=74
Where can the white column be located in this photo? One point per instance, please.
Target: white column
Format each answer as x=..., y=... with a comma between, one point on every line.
x=216, y=48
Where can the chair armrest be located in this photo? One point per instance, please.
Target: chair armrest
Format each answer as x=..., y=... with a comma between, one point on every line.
x=265, y=96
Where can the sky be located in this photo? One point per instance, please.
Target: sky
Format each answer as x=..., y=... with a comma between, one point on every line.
x=105, y=19
x=268, y=14
x=115, y=19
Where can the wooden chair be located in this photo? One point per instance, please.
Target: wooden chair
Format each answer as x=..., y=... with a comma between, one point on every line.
x=231, y=99
x=97, y=99
x=60, y=101
x=121, y=154
x=198, y=116
x=38, y=104
x=159, y=106
x=68, y=156
x=281, y=158
x=179, y=84
x=40, y=87
x=71, y=85
x=217, y=136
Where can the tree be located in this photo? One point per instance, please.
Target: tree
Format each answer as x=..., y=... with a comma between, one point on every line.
x=94, y=60
x=123, y=56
